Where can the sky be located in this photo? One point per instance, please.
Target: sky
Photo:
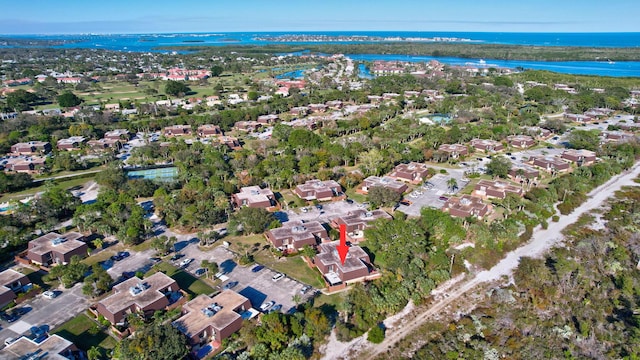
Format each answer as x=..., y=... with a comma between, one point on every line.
x=161, y=16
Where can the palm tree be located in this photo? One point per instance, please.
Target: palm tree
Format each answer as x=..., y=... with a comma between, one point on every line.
x=452, y=184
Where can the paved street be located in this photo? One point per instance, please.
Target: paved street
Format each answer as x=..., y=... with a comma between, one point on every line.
x=430, y=197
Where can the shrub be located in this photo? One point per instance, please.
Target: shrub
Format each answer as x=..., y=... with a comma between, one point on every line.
x=376, y=334
x=555, y=218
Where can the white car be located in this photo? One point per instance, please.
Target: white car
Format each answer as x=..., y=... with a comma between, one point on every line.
x=277, y=276
x=8, y=341
x=185, y=262
x=266, y=306
x=49, y=294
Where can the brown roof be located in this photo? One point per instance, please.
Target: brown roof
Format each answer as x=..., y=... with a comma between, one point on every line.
x=466, y=205
x=54, y=347
x=297, y=230
x=385, y=181
x=10, y=276
x=198, y=310
x=358, y=217
x=53, y=241
x=328, y=255
x=123, y=297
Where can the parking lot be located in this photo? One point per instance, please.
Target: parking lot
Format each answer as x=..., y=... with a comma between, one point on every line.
x=433, y=195
x=49, y=312
x=136, y=261
x=328, y=211
x=256, y=286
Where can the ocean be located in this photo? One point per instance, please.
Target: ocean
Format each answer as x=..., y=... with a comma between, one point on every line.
x=150, y=43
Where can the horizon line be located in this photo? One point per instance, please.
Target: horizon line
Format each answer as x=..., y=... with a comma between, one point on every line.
x=318, y=31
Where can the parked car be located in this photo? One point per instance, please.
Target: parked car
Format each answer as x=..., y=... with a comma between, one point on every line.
x=120, y=255
x=257, y=268
x=230, y=285
x=185, y=262
x=128, y=274
x=305, y=289
x=8, y=341
x=266, y=306
x=319, y=207
x=443, y=198
x=304, y=210
x=277, y=276
x=8, y=317
x=200, y=271
x=275, y=308
x=50, y=294
x=19, y=311
x=176, y=256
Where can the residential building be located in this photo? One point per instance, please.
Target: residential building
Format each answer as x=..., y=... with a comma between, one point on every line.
x=454, y=150
x=31, y=148
x=520, y=173
x=550, y=164
x=487, y=145
x=118, y=134
x=30, y=165
x=294, y=235
x=147, y=296
x=247, y=126
x=385, y=181
x=496, y=189
x=54, y=347
x=54, y=249
x=71, y=143
x=356, y=268
x=581, y=157
x=268, y=119
x=205, y=319
x=209, y=130
x=356, y=221
x=318, y=107
x=616, y=136
x=177, y=130
x=254, y=196
x=231, y=142
x=466, y=206
x=334, y=104
x=521, y=141
x=318, y=190
x=11, y=284
x=299, y=111
x=103, y=144
x=412, y=172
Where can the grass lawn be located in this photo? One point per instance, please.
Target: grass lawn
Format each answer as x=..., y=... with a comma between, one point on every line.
x=293, y=266
x=187, y=282
x=85, y=333
x=353, y=195
x=65, y=184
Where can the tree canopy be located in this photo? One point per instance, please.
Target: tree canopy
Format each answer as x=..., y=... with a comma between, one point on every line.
x=176, y=88
x=69, y=99
x=155, y=342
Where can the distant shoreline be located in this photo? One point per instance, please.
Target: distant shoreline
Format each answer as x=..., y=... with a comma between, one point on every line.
x=458, y=50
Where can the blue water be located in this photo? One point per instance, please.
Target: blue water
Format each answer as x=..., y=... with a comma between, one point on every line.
x=603, y=68
x=364, y=73
x=296, y=74
x=150, y=42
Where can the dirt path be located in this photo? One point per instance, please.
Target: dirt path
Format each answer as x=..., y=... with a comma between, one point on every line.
x=541, y=241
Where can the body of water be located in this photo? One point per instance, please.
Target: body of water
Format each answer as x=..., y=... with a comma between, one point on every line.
x=151, y=42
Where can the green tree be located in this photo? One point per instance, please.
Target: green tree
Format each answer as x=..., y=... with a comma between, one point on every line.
x=452, y=184
x=383, y=196
x=499, y=166
x=376, y=335
x=584, y=139
x=253, y=220
x=69, y=99
x=211, y=267
x=21, y=100
x=155, y=342
x=216, y=70
x=176, y=88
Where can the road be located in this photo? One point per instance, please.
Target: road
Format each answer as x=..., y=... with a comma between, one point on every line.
x=68, y=175
x=541, y=241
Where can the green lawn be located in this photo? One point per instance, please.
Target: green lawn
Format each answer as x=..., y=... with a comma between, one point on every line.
x=187, y=282
x=66, y=184
x=85, y=333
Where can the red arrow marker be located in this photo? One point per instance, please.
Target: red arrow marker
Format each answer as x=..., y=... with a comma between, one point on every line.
x=343, y=249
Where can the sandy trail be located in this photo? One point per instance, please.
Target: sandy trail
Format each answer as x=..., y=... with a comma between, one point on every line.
x=541, y=241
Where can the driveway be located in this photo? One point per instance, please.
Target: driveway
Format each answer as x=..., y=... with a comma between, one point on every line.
x=50, y=312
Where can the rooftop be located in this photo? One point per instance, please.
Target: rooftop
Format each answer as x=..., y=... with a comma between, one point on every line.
x=361, y=217
x=254, y=194
x=297, y=230
x=136, y=291
x=71, y=140
x=328, y=255
x=204, y=311
x=54, y=241
x=384, y=181
x=116, y=133
x=53, y=347
x=10, y=276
